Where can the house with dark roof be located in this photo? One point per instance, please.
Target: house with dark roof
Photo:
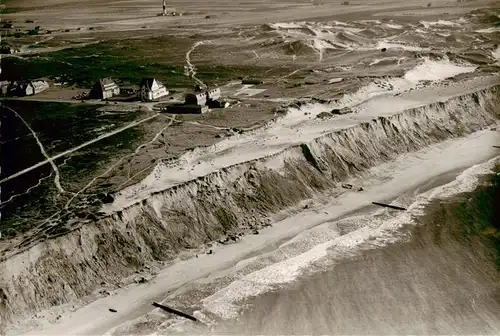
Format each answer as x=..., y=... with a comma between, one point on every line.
x=105, y=88
x=197, y=98
x=214, y=94
x=203, y=97
x=152, y=89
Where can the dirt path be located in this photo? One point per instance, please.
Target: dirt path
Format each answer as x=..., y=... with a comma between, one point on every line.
x=74, y=149
x=57, y=178
x=139, y=148
x=190, y=68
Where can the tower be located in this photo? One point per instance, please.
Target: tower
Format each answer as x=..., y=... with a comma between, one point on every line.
x=164, y=7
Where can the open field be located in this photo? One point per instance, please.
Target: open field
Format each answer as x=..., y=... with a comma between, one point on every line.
x=60, y=127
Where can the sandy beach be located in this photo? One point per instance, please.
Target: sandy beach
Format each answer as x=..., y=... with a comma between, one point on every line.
x=413, y=170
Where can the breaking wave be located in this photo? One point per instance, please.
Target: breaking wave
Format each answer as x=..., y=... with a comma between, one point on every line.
x=180, y=214
x=366, y=233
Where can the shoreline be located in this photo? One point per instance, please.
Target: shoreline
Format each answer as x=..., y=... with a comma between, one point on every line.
x=339, y=288
x=405, y=173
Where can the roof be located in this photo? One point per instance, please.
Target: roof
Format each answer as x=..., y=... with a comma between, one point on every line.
x=148, y=82
x=196, y=94
x=39, y=84
x=106, y=82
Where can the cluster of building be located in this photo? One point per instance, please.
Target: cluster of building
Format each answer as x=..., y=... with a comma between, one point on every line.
x=150, y=89
x=28, y=88
x=198, y=102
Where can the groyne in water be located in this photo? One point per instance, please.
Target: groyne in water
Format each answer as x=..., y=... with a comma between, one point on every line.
x=238, y=197
x=437, y=275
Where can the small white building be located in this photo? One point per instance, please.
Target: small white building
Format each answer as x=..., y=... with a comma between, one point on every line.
x=4, y=87
x=105, y=88
x=152, y=89
x=34, y=87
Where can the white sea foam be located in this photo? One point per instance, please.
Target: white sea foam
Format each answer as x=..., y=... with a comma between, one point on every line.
x=465, y=182
x=382, y=231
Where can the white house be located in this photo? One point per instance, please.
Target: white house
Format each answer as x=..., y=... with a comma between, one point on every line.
x=4, y=87
x=34, y=87
x=202, y=98
x=152, y=89
x=105, y=88
x=214, y=94
x=39, y=86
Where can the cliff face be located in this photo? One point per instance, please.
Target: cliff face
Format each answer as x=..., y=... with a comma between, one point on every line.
x=239, y=197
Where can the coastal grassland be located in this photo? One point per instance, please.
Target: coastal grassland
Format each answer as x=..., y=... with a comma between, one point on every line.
x=127, y=61
x=59, y=127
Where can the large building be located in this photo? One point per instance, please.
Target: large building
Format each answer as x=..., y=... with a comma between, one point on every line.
x=214, y=94
x=202, y=98
x=105, y=88
x=152, y=89
x=199, y=98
